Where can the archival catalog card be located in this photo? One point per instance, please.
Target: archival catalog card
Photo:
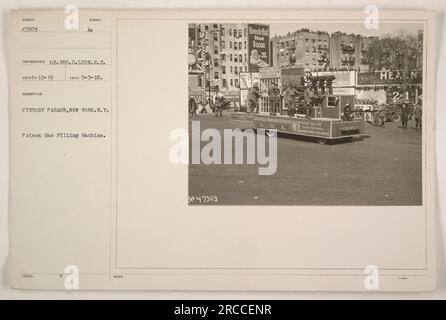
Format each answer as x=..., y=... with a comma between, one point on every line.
x=222, y=150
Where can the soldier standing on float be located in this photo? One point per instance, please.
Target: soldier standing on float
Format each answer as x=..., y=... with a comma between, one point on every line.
x=254, y=99
x=273, y=93
x=290, y=95
x=347, y=113
x=308, y=96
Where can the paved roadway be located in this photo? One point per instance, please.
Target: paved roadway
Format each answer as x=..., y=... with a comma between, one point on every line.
x=383, y=168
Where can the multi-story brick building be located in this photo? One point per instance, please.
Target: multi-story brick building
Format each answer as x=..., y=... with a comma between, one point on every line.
x=303, y=48
x=364, y=46
x=224, y=47
x=234, y=55
x=347, y=51
x=226, y=53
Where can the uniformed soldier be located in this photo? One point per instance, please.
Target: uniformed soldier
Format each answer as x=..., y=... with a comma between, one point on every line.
x=219, y=104
x=382, y=115
x=418, y=112
x=274, y=95
x=348, y=112
x=404, y=115
x=290, y=96
x=308, y=97
x=254, y=99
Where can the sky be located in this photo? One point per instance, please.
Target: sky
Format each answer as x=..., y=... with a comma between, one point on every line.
x=281, y=29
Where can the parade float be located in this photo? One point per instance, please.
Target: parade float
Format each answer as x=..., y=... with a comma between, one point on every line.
x=318, y=114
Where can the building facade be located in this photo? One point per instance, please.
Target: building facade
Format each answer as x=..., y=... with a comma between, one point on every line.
x=302, y=48
x=218, y=54
x=319, y=51
x=226, y=51
x=347, y=51
x=234, y=55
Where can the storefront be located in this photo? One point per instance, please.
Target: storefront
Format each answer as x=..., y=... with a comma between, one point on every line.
x=388, y=88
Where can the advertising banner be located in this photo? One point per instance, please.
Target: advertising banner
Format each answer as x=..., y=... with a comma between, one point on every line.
x=258, y=46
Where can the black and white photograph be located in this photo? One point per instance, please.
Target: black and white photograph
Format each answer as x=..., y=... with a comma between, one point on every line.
x=235, y=153
x=306, y=113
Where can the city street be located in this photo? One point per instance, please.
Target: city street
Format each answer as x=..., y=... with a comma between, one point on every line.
x=383, y=168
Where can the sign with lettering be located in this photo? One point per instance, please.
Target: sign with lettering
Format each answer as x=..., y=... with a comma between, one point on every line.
x=389, y=77
x=311, y=127
x=258, y=46
x=248, y=79
x=270, y=72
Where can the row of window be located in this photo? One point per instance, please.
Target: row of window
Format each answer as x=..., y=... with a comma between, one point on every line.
x=287, y=43
x=215, y=34
x=232, y=82
x=232, y=45
x=235, y=46
x=313, y=66
x=232, y=70
x=235, y=57
x=286, y=53
x=284, y=44
x=232, y=58
x=236, y=33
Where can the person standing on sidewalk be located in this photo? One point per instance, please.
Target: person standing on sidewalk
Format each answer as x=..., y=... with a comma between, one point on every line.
x=382, y=116
x=418, y=116
x=404, y=116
